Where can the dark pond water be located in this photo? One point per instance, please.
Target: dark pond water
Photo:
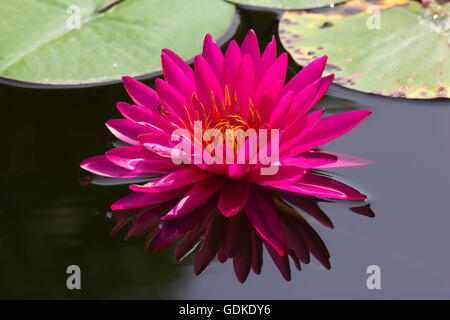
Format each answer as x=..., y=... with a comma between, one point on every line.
x=49, y=219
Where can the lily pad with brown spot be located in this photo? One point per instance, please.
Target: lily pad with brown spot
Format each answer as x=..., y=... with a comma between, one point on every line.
x=408, y=56
x=287, y=4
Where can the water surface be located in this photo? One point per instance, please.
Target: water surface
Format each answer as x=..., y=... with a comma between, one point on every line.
x=49, y=219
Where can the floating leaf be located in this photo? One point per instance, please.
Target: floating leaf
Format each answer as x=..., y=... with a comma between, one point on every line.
x=39, y=44
x=407, y=56
x=287, y=4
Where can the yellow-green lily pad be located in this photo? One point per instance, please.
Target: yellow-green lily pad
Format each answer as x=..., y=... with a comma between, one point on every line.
x=287, y=4
x=40, y=41
x=393, y=48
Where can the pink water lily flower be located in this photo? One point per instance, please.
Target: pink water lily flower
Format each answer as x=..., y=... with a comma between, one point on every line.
x=240, y=89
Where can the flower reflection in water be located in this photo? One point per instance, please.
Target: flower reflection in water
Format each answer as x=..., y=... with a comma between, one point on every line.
x=236, y=237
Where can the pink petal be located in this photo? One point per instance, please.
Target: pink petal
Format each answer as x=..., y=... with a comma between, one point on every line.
x=268, y=58
x=266, y=102
x=281, y=109
x=306, y=99
x=327, y=159
x=307, y=75
x=139, y=159
x=145, y=117
x=126, y=130
x=140, y=199
x=197, y=195
x=213, y=55
x=250, y=46
x=287, y=174
x=176, y=78
x=231, y=64
x=181, y=64
x=330, y=128
x=294, y=136
x=319, y=186
x=102, y=166
x=238, y=171
x=233, y=197
x=312, y=159
x=244, y=85
x=208, y=87
x=276, y=72
x=174, y=180
x=141, y=94
x=174, y=102
x=160, y=144
x=323, y=87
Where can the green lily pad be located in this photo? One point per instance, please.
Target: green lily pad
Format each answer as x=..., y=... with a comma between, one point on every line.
x=287, y=4
x=408, y=56
x=38, y=43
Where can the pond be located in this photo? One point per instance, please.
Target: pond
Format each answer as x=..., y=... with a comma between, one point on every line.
x=50, y=218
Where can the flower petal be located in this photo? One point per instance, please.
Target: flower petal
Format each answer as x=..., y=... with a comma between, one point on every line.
x=208, y=87
x=213, y=55
x=276, y=72
x=126, y=130
x=231, y=63
x=141, y=94
x=102, y=166
x=140, y=159
x=244, y=85
x=233, y=197
x=320, y=186
x=286, y=174
x=174, y=102
x=145, y=117
x=250, y=46
x=174, y=180
x=307, y=75
x=281, y=109
x=306, y=99
x=181, y=64
x=330, y=128
x=268, y=58
x=176, y=77
x=197, y=195
x=160, y=144
x=326, y=159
